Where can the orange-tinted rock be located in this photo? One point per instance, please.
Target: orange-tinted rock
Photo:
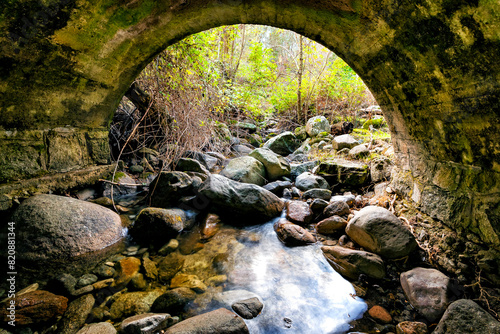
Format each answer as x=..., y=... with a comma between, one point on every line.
x=299, y=212
x=411, y=327
x=126, y=269
x=210, y=226
x=34, y=307
x=380, y=314
x=291, y=234
x=331, y=225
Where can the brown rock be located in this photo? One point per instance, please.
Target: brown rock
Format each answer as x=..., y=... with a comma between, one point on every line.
x=291, y=234
x=299, y=212
x=331, y=225
x=150, y=268
x=126, y=269
x=188, y=281
x=76, y=314
x=169, y=266
x=380, y=314
x=411, y=327
x=35, y=307
x=220, y=321
x=336, y=208
x=210, y=226
x=351, y=263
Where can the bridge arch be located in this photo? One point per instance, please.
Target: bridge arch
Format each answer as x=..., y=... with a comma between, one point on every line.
x=432, y=66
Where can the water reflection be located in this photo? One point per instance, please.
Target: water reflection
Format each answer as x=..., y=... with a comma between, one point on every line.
x=301, y=293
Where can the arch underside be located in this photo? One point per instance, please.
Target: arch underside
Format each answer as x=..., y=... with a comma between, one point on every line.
x=432, y=66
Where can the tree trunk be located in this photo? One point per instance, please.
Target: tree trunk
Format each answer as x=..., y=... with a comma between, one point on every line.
x=299, y=74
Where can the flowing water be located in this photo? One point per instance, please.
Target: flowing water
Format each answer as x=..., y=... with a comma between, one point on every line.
x=300, y=291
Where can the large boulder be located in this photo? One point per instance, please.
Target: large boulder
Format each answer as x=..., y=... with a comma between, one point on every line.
x=317, y=125
x=351, y=263
x=245, y=169
x=168, y=187
x=220, y=321
x=242, y=200
x=291, y=234
x=379, y=231
x=276, y=166
x=307, y=181
x=127, y=186
x=344, y=173
x=54, y=229
x=464, y=317
x=155, y=225
x=283, y=144
x=428, y=290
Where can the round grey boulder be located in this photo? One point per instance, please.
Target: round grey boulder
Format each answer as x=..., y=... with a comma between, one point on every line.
x=307, y=181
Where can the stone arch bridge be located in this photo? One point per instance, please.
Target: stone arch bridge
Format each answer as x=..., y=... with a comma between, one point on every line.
x=432, y=66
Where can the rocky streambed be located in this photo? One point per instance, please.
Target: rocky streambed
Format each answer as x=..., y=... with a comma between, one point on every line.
x=268, y=245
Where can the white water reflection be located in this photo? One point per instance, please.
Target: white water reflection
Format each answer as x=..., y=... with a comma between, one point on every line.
x=301, y=293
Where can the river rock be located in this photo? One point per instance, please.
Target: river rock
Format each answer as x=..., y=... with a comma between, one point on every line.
x=76, y=314
x=298, y=212
x=123, y=178
x=291, y=234
x=331, y=225
x=145, y=323
x=283, y=144
x=188, y=281
x=34, y=307
x=169, y=266
x=126, y=269
x=98, y=328
x=380, y=169
x=277, y=187
x=348, y=198
x=50, y=228
x=316, y=125
x=351, y=263
x=190, y=165
x=246, y=170
x=359, y=151
x=208, y=160
x=380, y=314
x=132, y=303
x=173, y=301
x=155, y=226
x=241, y=150
x=427, y=290
x=378, y=230
x=464, y=317
x=336, y=208
x=344, y=141
x=85, y=280
x=297, y=169
x=168, y=187
x=220, y=321
x=411, y=327
x=241, y=200
x=228, y=298
x=248, y=308
x=307, y=180
x=344, y=173
x=276, y=166
x=318, y=205
x=323, y=194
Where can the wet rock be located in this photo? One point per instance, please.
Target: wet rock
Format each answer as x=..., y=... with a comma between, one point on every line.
x=427, y=290
x=318, y=205
x=169, y=266
x=316, y=125
x=220, y=321
x=248, y=308
x=64, y=284
x=210, y=226
x=291, y=234
x=323, y=194
x=351, y=263
x=298, y=212
x=344, y=141
x=86, y=279
x=188, y=281
x=53, y=227
x=173, y=301
x=122, y=178
x=150, y=268
x=217, y=280
x=138, y=283
x=380, y=314
x=277, y=187
x=241, y=200
x=348, y=199
x=34, y=308
x=104, y=271
x=191, y=165
x=297, y=169
x=378, y=230
x=168, y=187
x=132, y=303
x=169, y=247
x=359, y=151
x=246, y=170
x=411, y=327
x=228, y=298
x=146, y=323
x=465, y=316
x=344, y=173
x=126, y=269
x=306, y=181
x=103, y=284
x=331, y=225
x=336, y=208
x=76, y=314
x=380, y=169
x=98, y=328
x=276, y=166
x=155, y=226
x=283, y=144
